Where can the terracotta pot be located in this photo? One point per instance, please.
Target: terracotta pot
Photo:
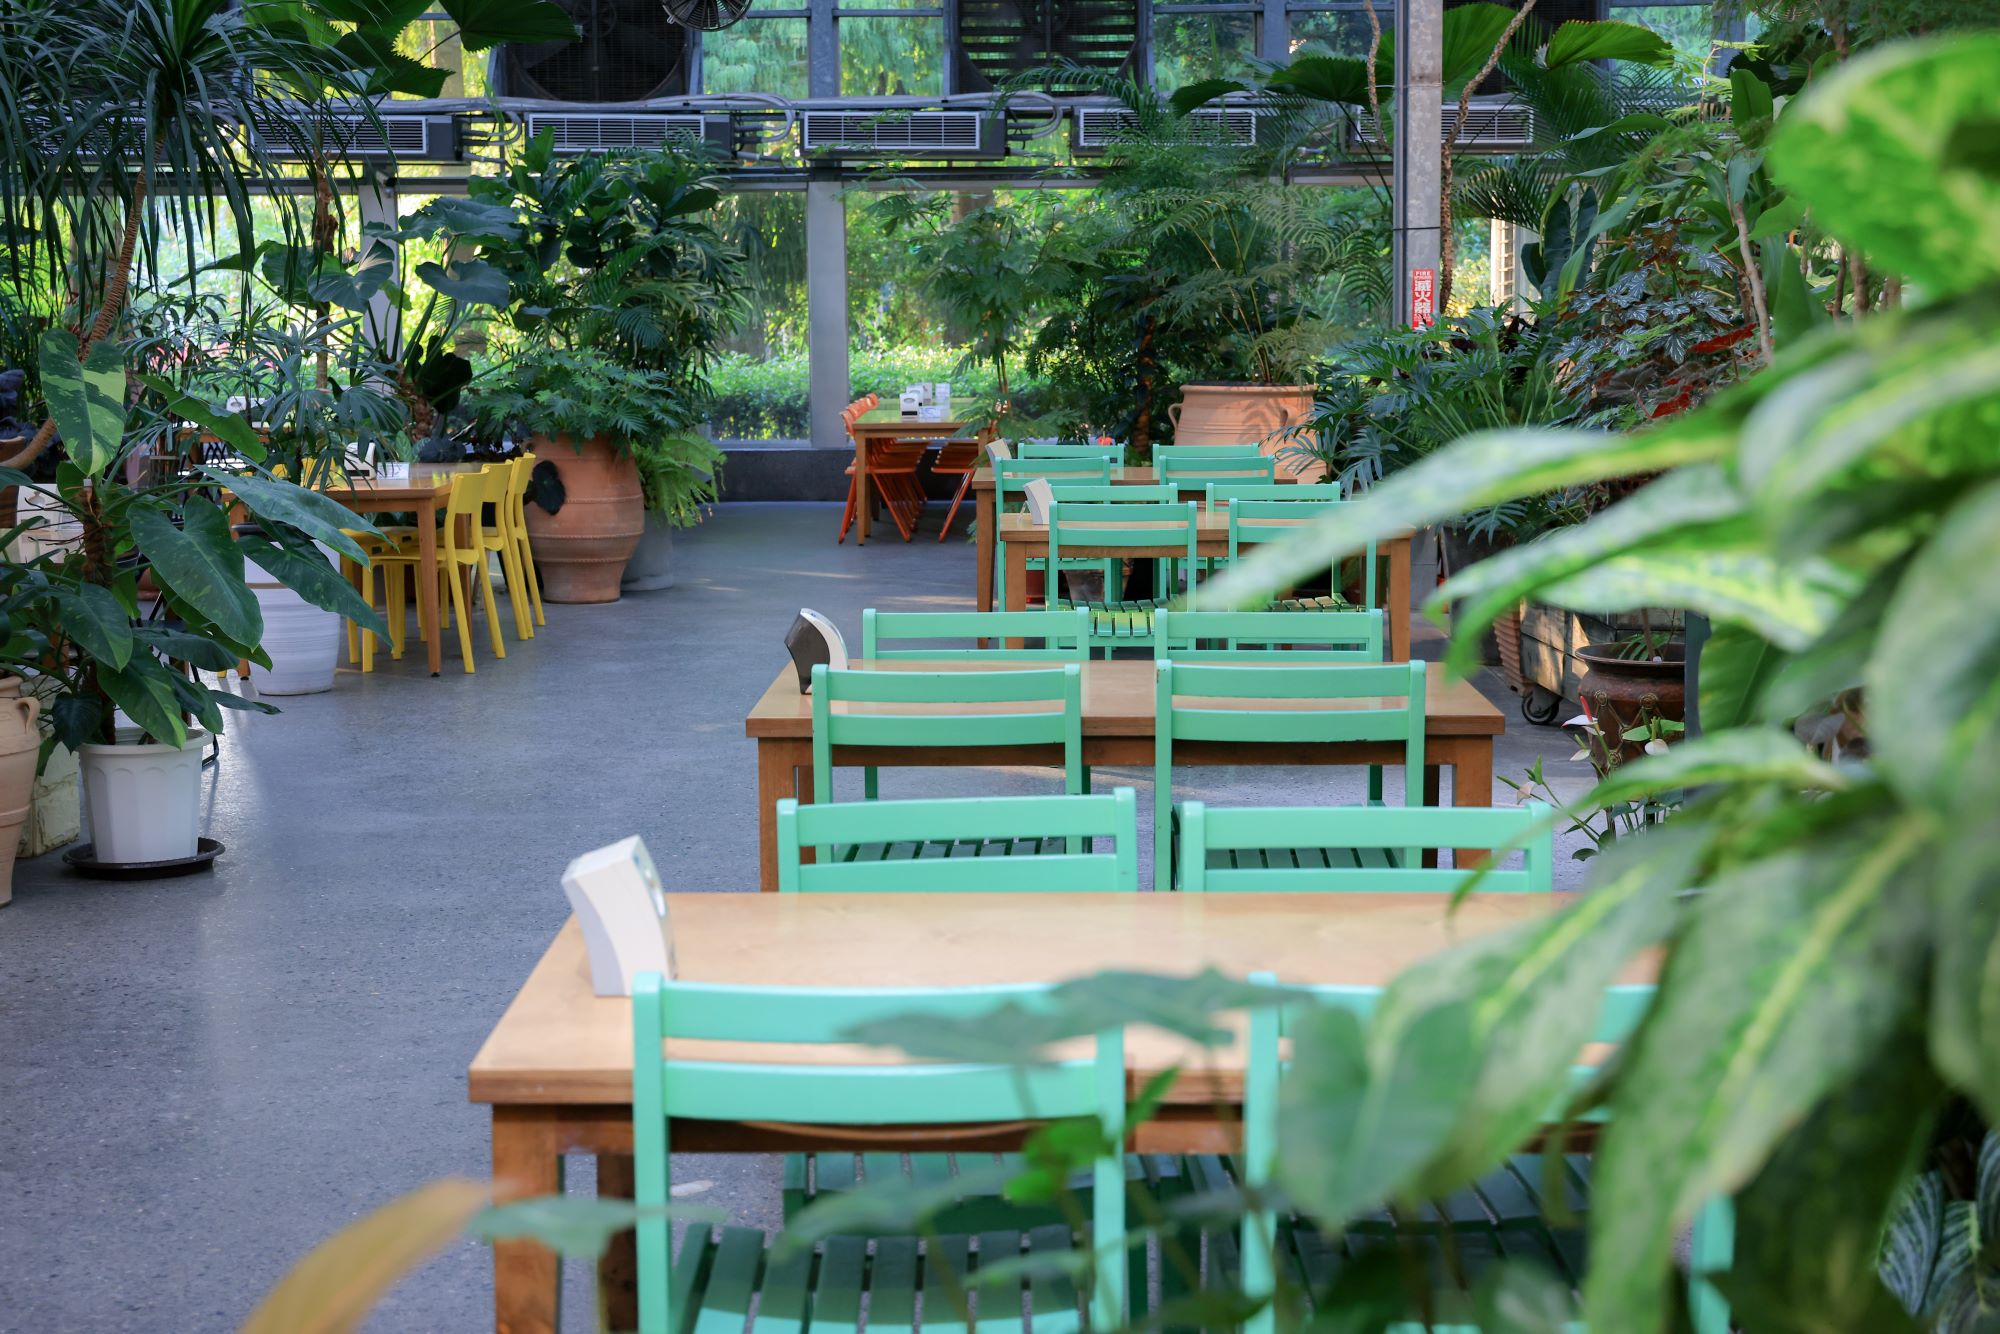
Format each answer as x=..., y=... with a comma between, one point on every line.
x=582, y=548
x=1237, y=414
x=1621, y=694
x=20, y=739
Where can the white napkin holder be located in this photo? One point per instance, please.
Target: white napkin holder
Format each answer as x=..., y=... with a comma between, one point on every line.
x=912, y=405
x=616, y=895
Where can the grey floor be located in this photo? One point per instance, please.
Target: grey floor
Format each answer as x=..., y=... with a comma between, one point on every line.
x=201, y=1078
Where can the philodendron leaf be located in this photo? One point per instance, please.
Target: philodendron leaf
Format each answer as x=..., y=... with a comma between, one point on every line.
x=86, y=397
x=336, y=1285
x=1809, y=1229
x=201, y=563
x=899, y=1206
x=1788, y=603
x=1934, y=678
x=308, y=511
x=1684, y=506
x=1794, y=971
x=317, y=582
x=1482, y=469
x=1868, y=146
x=229, y=427
x=145, y=691
x=470, y=281
x=1965, y=982
x=1736, y=756
x=1737, y=668
x=1467, y=1053
x=92, y=615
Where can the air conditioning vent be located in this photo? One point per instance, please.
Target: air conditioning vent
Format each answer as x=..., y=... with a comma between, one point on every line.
x=1002, y=41
x=1098, y=128
x=903, y=133
x=577, y=133
x=626, y=51
x=1490, y=127
x=357, y=137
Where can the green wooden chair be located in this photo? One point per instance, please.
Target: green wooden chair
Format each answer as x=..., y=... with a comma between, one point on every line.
x=1268, y=636
x=711, y=1286
x=1011, y=477
x=927, y=710
x=1196, y=472
x=1222, y=706
x=1276, y=849
x=1209, y=451
x=1106, y=532
x=1506, y=1214
x=1257, y=519
x=1063, y=636
x=968, y=845
x=1070, y=449
x=1095, y=493
x=1220, y=493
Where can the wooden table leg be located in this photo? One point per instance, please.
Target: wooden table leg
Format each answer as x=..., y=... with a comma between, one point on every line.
x=1431, y=790
x=618, y=1267
x=527, y=1276
x=1017, y=582
x=427, y=583
x=1397, y=600
x=983, y=520
x=784, y=769
x=1472, y=785
x=864, y=499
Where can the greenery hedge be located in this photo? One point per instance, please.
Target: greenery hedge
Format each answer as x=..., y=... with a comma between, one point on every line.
x=770, y=398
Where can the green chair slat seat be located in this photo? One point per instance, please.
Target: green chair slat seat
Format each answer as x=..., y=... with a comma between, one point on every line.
x=1010, y=480
x=1275, y=635
x=1275, y=849
x=1258, y=519
x=713, y=1284
x=969, y=845
x=1142, y=529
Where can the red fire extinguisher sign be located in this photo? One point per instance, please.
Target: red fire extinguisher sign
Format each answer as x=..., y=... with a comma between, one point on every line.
x=1423, y=298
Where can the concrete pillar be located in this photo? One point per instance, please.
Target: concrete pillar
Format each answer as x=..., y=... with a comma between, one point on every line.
x=1415, y=171
x=376, y=203
x=826, y=309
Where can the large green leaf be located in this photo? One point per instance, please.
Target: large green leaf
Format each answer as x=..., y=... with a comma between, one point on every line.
x=86, y=397
x=97, y=621
x=1795, y=970
x=1738, y=756
x=308, y=511
x=1965, y=982
x=352, y=289
x=1737, y=668
x=1467, y=1052
x=485, y=23
x=229, y=427
x=1683, y=506
x=1869, y=148
x=1577, y=41
x=1470, y=34
x=180, y=646
x=1809, y=1228
x=312, y=578
x=1338, y=79
x=1934, y=678
x=468, y=280
x=1479, y=470
x=201, y=564
x=145, y=691
x=1789, y=603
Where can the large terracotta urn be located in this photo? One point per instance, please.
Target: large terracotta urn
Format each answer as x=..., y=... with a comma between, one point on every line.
x=1238, y=414
x=1623, y=694
x=20, y=740
x=582, y=548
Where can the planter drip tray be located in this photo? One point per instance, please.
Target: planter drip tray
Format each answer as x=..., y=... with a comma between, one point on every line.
x=83, y=860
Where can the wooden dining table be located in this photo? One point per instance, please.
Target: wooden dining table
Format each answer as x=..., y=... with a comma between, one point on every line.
x=882, y=424
x=556, y=1071
x=423, y=493
x=1118, y=713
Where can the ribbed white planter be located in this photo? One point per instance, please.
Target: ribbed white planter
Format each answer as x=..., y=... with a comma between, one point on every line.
x=144, y=801
x=303, y=641
x=652, y=565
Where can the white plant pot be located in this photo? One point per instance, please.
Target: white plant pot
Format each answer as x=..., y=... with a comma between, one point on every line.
x=144, y=801
x=303, y=641
x=652, y=565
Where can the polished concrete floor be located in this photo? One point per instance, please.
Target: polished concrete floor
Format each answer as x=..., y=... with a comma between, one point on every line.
x=201, y=1078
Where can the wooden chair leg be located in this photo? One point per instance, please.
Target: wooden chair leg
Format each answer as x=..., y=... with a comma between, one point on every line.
x=847, y=515
x=964, y=485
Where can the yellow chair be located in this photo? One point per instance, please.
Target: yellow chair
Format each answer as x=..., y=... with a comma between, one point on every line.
x=515, y=519
x=461, y=554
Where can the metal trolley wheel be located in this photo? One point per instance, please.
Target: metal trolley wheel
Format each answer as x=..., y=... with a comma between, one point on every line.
x=1539, y=706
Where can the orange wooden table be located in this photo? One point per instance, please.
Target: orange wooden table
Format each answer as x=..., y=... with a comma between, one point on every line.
x=424, y=492
x=556, y=1070
x=1118, y=710
x=881, y=424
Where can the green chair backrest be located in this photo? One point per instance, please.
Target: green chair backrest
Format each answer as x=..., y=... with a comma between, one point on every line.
x=1285, y=836
x=1115, y=493
x=1011, y=475
x=1224, y=492
x=1223, y=706
x=1207, y=451
x=1197, y=472
x=959, y=710
x=953, y=837
x=1112, y=529
x=1264, y=1071
x=1258, y=520
x=666, y=1088
x=1268, y=636
x=1064, y=635
x=1069, y=449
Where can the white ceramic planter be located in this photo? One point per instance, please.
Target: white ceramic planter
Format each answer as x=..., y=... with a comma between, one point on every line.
x=652, y=565
x=144, y=801
x=303, y=641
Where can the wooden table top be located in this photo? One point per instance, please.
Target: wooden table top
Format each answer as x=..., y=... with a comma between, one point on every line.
x=425, y=481
x=890, y=420
x=559, y=1042
x=1128, y=474
x=1119, y=699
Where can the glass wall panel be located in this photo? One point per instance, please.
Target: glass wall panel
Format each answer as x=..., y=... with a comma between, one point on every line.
x=892, y=57
x=1340, y=32
x=1191, y=45
x=756, y=56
